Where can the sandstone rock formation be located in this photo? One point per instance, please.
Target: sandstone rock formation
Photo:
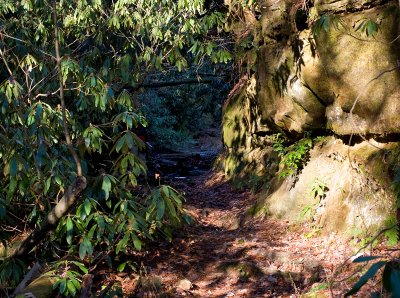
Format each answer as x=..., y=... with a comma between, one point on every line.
x=321, y=68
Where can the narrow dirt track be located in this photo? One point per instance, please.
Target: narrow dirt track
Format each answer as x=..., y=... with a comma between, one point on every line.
x=218, y=256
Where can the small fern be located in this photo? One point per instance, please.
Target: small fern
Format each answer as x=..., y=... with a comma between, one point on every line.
x=292, y=157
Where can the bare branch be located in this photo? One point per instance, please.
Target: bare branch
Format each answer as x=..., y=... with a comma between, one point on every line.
x=5, y=62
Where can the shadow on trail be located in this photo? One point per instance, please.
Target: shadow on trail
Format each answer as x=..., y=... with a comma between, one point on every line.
x=219, y=257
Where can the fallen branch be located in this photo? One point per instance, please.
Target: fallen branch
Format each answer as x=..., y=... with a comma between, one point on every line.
x=174, y=83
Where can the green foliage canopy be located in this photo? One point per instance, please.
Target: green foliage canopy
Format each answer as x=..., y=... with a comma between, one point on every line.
x=107, y=48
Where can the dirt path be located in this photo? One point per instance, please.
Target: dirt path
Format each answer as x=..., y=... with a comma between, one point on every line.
x=217, y=257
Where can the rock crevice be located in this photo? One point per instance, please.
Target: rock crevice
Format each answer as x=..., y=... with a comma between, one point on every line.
x=321, y=70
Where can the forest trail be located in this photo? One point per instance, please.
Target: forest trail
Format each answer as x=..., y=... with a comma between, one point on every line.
x=218, y=257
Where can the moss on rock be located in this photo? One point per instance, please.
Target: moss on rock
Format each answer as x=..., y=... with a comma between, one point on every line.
x=351, y=197
x=338, y=81
x=41, y=287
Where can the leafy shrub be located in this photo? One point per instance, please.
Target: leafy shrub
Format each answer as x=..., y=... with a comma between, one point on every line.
x=176, y=114
x=318, y=192
x=73, y=118
x=11, y=272
x=390, y=275
x=293, y=156
x=68, y=279
x=131, y=220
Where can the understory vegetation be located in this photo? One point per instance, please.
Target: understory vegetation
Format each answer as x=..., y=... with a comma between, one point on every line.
x=176, y=115
x=72, y=98
x=88, y=88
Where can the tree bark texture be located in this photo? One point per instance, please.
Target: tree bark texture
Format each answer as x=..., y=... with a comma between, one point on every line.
x=69, y=198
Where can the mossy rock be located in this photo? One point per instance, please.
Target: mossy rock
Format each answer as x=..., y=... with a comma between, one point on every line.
x=349, y=75
x=351, y=198
x=330, y=6
x=312, y=81
x=42, y=287
x=8, y=250
x=235, y=122
x=241, y=269
x=151, y=283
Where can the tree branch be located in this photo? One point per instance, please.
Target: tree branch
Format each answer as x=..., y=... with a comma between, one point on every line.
x=173, y=83
x=68, y=199
x=62, y=98
x=5, y=62
x=74, y=190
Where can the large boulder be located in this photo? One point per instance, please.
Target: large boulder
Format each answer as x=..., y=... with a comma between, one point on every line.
x=317, y=71
x=341, y=188
x=312, y=78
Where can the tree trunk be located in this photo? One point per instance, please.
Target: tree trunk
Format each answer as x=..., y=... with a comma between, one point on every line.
x=68, y=199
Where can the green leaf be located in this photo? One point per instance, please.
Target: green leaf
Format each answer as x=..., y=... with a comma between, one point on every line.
x=165, y=191
x=371, y=28
x=387, y=271
x=122, y=243
x=106, y=186
x=132, y=179
x=391, y=279
x=87, y=206
x=361, y=25
x=63, y=285
x=91, y=232
x=395, y=282
x=93, y=81
x=89, y=247
x=13, y=167
x=160, y=209
x=366, y=259
x=129, y=140
x=101, y=224
x=70, y=229
x=58, y=180
x=171, y=208
x=121, y=267
x=13, y=184
x=71, y=288
x=76, y=283
x=136, y=242
x=82, y=250
x=81, y=267
x=39, y=110
x=57, y=283
x=364, y=279
x=176, y=198
x=47, y=185
x=120, y=144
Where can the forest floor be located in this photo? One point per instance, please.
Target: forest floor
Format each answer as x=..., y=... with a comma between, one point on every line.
x=218, y=256
x=224, y=253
